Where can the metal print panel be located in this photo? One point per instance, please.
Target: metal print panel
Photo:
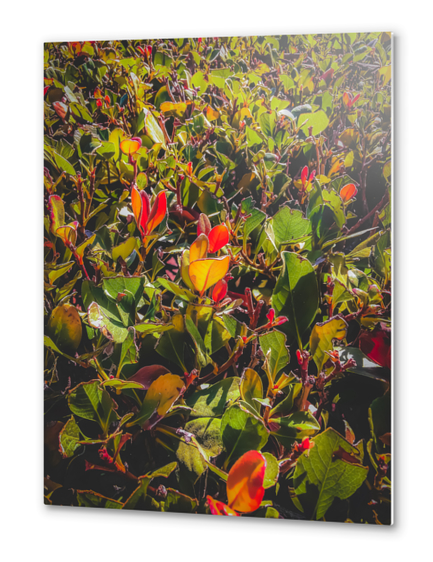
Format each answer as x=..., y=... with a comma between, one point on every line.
x=217, y=241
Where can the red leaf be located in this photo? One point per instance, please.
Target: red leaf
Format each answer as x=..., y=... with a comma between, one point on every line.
x=218, y=238
x=304, y=174
x=271, y=315
x=377, y=345
x=158, y=212
x=219, y=508
x=219, y=291
x=146, y=375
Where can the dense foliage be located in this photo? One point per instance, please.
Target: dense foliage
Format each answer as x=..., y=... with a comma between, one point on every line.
x=217, y=275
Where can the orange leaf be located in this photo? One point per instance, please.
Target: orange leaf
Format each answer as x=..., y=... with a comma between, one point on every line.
x=348, y=191
x=337, y=165
x=130, y=146
x=346, y=98
x=199, y=248
x=218, y=237
x=211, y=114
x=220, y=508
x=140, y=208
x=206, y=272
x=220, y=290
x=158, y=212
x=245, y=482
x=203, y=226
x=61, y=109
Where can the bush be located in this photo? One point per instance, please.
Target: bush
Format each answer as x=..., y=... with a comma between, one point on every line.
x=217, y=276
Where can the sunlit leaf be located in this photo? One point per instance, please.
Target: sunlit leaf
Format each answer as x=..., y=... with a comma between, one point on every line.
x=158, y=212
x=218, y=238
x=245, y=489
x=321, y=339
x=206, y=272
x=199, y=248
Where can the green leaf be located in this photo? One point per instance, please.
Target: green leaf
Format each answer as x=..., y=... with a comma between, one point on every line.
x=91, y=402
x=241, y=432
x=113, y=286
x=318, y=120
x=103, y=319
x=253, y=138
x=332, y=476
x=275, y=343
x=255, y=220
x=289, y=225
x=88, y=498
x=207, y=432
x=322, y=336
x=64, y=165
x=202, y=357
x=212, y=401
x=296, y=295
x=272, y=471
x=171, y=346
x=125, y=249
x=153, y=130
x=251, y=387
x=69, y=438
x=180, y=292
x=297, y=426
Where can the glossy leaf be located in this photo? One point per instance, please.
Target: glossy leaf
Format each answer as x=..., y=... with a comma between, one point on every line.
x=296, y=294
x=322, y=336
x=130, y=146
x=212, y=401
x=158, y=212
x=206, y=272
x=199, y=248
x=348, y=192
x=241, y=432
x=159, y=399
x=251, y=387
x=219, y=508
x=245, y=489
x=218, y=238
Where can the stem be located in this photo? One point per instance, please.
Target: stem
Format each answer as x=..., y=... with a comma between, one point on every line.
x=370, y=214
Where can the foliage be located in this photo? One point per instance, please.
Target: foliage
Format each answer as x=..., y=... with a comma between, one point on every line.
x=218, y=274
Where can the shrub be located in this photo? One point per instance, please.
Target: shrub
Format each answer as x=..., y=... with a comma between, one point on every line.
x=217, y=275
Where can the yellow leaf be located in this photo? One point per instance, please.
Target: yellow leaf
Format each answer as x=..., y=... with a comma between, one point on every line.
x=199, y=248
x=211, y=114
x=163, y=393
x=206, y=272
x=322, y=336
x=184, y=267
x=173, y=109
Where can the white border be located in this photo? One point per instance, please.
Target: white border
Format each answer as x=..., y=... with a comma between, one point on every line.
x=29, y=528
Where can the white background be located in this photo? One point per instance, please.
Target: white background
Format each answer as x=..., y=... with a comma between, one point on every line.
x=28, y=527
